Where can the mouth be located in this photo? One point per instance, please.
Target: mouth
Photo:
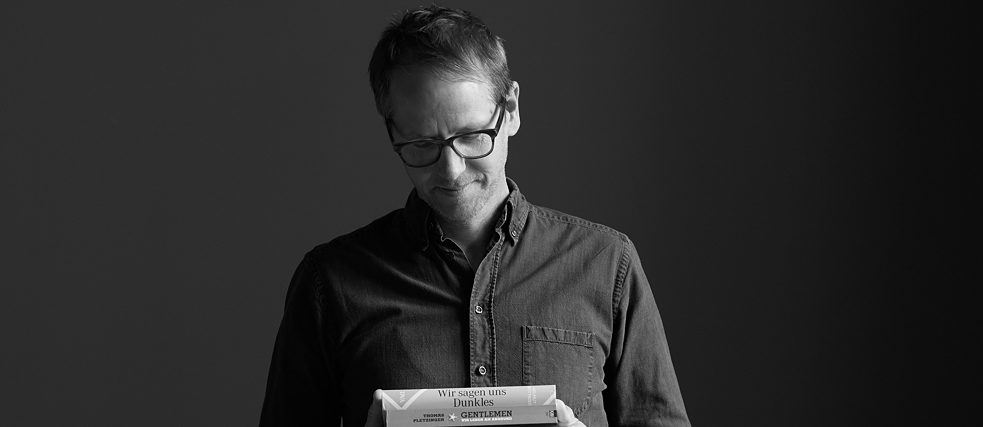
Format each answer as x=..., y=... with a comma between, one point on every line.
x=452, y=189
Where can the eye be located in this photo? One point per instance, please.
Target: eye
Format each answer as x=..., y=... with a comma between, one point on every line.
x=426, y=143
x=474, y=138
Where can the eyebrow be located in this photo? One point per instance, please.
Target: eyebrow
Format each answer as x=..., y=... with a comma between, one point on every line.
x=392, y=124
x=438, y=137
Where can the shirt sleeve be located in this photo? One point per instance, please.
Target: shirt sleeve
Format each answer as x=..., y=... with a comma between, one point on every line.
x=642, y=387
x=300, y=387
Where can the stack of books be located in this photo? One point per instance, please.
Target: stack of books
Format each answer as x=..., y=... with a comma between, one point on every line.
x=533, y=405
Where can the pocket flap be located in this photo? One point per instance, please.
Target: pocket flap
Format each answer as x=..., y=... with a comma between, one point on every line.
x=564, y=336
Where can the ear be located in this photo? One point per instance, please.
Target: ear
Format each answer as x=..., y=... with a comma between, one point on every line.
x=512, y=108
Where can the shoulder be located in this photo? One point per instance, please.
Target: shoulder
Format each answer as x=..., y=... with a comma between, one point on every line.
x=565, y=233
x=540, y=216
x=370, y=238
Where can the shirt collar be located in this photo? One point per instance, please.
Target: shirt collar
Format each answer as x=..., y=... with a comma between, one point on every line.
x=420, y=221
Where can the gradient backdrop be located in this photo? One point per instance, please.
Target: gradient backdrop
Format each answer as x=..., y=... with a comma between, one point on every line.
x=165, y=165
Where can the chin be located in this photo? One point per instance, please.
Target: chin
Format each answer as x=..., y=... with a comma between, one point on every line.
x=457, y=211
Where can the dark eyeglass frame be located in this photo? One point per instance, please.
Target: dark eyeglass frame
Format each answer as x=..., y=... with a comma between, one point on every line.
x=398, y=147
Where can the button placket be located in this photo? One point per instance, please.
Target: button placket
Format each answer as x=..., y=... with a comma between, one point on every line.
x=481, y=351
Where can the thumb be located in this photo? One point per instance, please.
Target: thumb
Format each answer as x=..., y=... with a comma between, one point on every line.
x=565, y=417
x=374, y=417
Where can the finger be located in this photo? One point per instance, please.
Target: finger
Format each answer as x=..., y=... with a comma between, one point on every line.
x=375, y=416
x=564, y=415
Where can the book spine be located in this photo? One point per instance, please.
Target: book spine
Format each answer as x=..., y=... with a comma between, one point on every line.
x=437, y=417
x=474, y=398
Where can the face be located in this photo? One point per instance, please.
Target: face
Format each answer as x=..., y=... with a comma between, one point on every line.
x=426, y=106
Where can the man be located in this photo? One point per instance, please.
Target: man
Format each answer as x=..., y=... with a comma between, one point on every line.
x=469, y=284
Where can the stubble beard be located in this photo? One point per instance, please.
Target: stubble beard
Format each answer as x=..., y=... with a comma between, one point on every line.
x=461, y=210
x=476, y=205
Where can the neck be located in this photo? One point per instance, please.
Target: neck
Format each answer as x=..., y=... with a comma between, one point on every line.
x=472, y=234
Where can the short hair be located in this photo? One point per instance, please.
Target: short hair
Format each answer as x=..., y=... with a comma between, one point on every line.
x=451, y=42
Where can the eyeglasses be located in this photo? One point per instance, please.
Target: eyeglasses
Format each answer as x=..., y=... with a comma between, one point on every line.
x=470, y=145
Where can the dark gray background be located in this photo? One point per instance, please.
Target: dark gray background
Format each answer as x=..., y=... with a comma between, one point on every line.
x=784, y=170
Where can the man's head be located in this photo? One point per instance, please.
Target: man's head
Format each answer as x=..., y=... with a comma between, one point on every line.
x=437, y=73
x=450, y=43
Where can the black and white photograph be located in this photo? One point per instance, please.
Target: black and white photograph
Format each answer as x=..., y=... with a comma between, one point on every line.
x=314, y=213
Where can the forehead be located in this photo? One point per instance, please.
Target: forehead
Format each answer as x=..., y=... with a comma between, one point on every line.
x=426, y=103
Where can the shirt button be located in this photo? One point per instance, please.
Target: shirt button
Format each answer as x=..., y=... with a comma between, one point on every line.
x=481, y=370
x=478, y=309
x=515, y=233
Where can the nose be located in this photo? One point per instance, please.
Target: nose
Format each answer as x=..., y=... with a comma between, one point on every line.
x=450, y=165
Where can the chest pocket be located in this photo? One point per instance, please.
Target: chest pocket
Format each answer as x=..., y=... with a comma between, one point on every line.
x=562, y=357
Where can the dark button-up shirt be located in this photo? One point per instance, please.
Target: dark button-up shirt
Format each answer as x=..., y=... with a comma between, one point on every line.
x=395, y=305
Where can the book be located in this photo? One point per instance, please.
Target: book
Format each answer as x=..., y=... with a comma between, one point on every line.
x=542, y=415
x=516, y=405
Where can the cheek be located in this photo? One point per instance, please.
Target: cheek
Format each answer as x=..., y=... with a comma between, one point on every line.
x=487, y=166
x=502, y=149
x=416, y=175
x=498, y=158
x=495, y=162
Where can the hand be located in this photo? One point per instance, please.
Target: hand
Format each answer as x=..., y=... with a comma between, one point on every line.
x=375, y=417
x=564, y=416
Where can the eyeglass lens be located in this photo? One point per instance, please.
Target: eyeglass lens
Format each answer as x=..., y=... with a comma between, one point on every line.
x=467, y=146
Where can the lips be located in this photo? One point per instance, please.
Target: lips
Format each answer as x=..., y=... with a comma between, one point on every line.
x=453, y=189
x=450, y=189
